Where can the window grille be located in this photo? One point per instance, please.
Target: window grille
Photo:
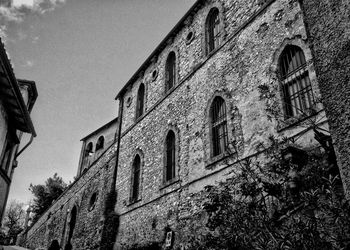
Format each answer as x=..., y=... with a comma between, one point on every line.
x=296, y=85
x=136, y=171
x=170, y=71
x=140, y=100
x=170, y=156
x=218, y=126
x=213, y=30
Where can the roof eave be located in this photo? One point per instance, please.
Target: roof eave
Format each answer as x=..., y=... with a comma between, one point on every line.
x=159, y=47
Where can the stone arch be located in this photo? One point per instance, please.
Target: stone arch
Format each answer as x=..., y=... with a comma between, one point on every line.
x=137, y=152
x=174, y=128
x=275, y=73
x=230, y=113
x=174, y=50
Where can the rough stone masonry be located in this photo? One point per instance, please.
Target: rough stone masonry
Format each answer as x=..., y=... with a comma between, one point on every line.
x=252, y=35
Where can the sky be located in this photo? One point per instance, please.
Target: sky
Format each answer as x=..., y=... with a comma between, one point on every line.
x=80, y=53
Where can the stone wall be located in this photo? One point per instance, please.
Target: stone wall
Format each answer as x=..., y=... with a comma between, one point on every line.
x=251, y=44
x=54, y=223
x=328, y=26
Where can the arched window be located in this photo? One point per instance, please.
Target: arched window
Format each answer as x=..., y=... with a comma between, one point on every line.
x=170, y=71
x=213, y=31
x=88, y=150
x=135, y=179
x=296, y=85
x=170, y=156
x=100, y=143
x=140, y=100
x=219, y=138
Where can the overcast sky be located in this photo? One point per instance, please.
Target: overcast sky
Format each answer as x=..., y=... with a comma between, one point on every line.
x=80, y=53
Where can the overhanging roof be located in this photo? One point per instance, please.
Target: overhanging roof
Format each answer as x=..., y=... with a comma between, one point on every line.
x=100, y=129
x=11, y=96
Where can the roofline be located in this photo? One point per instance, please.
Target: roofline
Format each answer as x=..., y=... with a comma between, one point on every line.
x=159, y=47
x=15, y=87
x=100, y=128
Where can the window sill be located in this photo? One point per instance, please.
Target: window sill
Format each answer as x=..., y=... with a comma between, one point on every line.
x=134, y=201
x=210, y=163
x=293, y=121
x=169, y=183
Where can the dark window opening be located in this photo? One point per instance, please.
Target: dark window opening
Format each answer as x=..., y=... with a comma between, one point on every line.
x=170, y=156
x=219, y=135
x=100, y=143
x=296, y=85
x=92, y=201
x=213, y=30
x=88, y=149
x=170, y=71
x=140, y=100
x=136, y=174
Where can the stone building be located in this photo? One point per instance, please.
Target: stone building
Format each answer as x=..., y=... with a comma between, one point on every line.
x=329, y=32
x=187, y=117
x=17, y=100
x=76, y=218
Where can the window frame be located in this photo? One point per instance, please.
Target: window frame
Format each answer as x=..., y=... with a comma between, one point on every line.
x=132, y=197
x=170, y=64
x=222, y=122
x=294, y=80
x=166, y=182
x=100, y=143
x=140, y=101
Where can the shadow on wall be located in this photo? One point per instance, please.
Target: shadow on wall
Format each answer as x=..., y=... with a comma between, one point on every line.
x=111, y=225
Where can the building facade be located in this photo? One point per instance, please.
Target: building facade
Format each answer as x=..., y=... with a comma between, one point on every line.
x=187, y=117
x=17, y=100
x=76, y=219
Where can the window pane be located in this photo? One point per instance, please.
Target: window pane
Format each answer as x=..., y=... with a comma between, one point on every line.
x=296, y=83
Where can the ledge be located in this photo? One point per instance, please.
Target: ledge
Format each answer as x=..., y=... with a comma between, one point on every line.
x=169, y=183
x=293, y=121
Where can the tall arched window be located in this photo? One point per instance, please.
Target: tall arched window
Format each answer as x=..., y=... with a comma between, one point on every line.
x=296, y=85
x=170, y=71
x=170, y=156
x=135, y=179
x=219, y=137
x=100, y=143
x=140, y=100
x=213, y=31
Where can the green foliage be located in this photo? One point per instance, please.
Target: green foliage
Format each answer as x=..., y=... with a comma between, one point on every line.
x=45, y=194
x=276, y=205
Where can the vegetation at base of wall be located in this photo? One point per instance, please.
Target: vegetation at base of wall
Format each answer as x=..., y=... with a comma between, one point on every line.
x=46, y=194
x=281, y=204
x=13, y=223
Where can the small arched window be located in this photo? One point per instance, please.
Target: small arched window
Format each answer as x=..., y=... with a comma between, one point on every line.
x=140, y=100
x=100, y=143
x=88, y=150
x=170, y=156
x=135, y=179
x=296, y=85
x=213, y=31
x=170, y=71
x=219, y=137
